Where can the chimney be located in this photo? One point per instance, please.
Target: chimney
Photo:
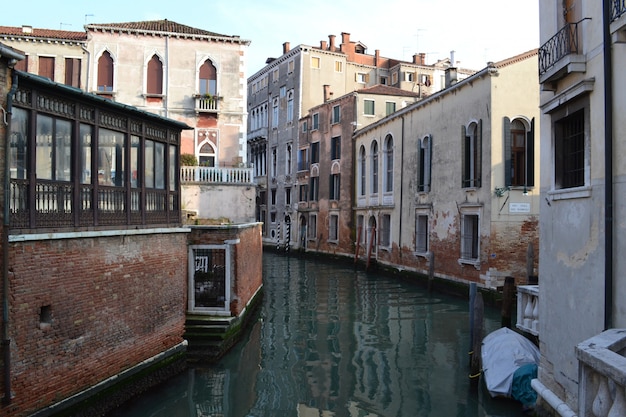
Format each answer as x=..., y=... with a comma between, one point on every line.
x=331, y=41
x=451, y=75
x=285, y=47
x=376, y=57
x=323, y=45
x=27, y=29
x=327, y=93
x=345, y=38
x=419, y=59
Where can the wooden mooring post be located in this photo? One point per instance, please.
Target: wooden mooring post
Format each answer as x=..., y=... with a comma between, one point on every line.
x=477, y=311
x=508, y=298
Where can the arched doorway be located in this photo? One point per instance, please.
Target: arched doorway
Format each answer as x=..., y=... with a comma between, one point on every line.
x=302, y=232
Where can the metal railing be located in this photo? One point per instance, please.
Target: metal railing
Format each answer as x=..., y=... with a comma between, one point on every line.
x=208, y=175
x=618, y=8
x=564, y=43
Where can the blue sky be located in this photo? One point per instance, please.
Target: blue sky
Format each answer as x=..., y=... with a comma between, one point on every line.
x=478, y=31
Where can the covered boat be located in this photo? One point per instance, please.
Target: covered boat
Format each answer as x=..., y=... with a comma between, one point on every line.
x=509, y=362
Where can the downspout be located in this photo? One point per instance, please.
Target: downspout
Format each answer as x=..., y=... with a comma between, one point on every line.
x=608, y=167
x=86, y=51
x=6, y=342
x=401, y=187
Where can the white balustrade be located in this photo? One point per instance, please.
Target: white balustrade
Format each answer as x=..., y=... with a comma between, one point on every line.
x=528, y=308
x=208, y=175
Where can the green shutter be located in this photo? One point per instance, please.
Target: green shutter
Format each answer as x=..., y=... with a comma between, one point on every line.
x=465, y=163
x=530, y=155
x=507, y=151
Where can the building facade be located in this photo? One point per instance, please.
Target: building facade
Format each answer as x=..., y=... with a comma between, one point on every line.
x=448, y=185
x=325, y=160
x=303, y=77
x=582, y=270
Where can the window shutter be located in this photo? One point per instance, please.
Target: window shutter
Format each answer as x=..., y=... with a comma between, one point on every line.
x=530, y=154
x=367, y=78
x=507, y=150
x=465, y=163
x=429, y=163
x=420, y=165
x=479, y=154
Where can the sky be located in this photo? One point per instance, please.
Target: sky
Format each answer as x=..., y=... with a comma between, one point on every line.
x=477, y=31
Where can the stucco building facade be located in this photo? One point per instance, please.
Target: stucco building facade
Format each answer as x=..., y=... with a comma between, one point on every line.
x=449, y=184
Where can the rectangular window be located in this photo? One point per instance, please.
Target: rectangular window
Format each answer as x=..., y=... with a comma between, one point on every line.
x=361, y=78
x=336, y=114
x=288, y=196
x=469, y=237
x=149, y=163
x=385, y=232
x=335, y=147
x=275, y=113
x=315, y=62
x=46, y=67
x=54, y=146
x=134, y=161
x=173, y=168
x=273, y=196
x=569, y=151
x=334, y=187
x=290, y=66
x=72, y=72
x=303, y=192
x=338, y=66
x=283, y=91
x=314, y=188
x=390, y=107
x=302, y=160
x=274, y=162
x=111, y=157
x=315, y=121
x=315, y=152
x=368, y=107
x=305, y=126
x=394, y=78
x=383, y=80
x=333, y=232
x=421, y=233
x=275, y=75
x=409, y=77
x=424, y=149
x=86, y=134
x=312, y=228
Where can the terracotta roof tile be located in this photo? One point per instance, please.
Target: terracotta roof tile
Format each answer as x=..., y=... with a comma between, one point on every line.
x=30, y=32
x=164, y=26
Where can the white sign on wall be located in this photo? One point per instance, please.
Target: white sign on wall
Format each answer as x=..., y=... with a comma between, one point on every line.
x=519, y=207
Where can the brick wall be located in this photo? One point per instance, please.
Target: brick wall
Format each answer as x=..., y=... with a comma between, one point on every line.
x=85, y=309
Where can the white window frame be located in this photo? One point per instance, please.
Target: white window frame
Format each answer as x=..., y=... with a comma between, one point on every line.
x=422, y=232
x=466, y=212
x=333, y=227
x=384, y=232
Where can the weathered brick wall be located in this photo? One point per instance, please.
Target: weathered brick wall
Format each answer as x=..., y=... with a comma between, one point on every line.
x=82, y=310
x=247, y=276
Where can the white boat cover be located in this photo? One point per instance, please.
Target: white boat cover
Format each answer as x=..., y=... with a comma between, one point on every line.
x=503, y=352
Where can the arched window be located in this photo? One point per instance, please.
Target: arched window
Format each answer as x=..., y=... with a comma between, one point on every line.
x=206, y=156
x=207, y=79
x=472, y=151
x=154, y=75
x=374, y=157
x=388, y=163
x=424, y=150
x=518, y=152
x=361, y=168
x=105, y=72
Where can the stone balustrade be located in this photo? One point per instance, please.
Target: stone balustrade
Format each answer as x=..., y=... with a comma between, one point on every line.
x=211, y=175
x=528, y=309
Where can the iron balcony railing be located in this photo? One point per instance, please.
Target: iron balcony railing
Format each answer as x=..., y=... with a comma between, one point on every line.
x=564, y=43
x=618, y=8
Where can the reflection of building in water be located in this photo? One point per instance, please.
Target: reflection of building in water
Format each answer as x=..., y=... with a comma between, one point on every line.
x=209, y=386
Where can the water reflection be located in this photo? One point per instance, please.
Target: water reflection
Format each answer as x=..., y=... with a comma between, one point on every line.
x=331, y=341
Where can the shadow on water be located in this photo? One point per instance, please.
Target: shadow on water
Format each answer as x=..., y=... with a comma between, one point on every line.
x=333, y=341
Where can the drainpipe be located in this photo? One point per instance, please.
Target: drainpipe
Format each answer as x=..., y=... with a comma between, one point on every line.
x=86, y=51
x=401, y=187
x=608, y=167
x=6, y=342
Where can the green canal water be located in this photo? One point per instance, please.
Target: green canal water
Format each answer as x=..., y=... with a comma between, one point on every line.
x=334, y=341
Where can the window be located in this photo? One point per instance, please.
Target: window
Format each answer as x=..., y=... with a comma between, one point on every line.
x=315, y=121
x=335, y=147
x=273, y=195
x=111, y=153
x=290, y=66
x=154, y=74
x=283, y=91
x=361, y=77
x=383, y=80
x=469, y=237
x=569, y=151
x=315, y=152
x=207, y=81
x=206, y=154
x=54, y=147
x=368, y=107
x=334, y=187
x=389, y=163
x=155, y=164
x=374, y=157
x=471, y=163
x=274, y=162
x=385, y=232
x=518, y=153
x=288, y=196
x=314, y=188
x=421, y=233
x=409, y=77
x=275, y=74
x=275, y=113
x=424, y=150
x=72, y=72
x=305, y=126
x=303, y=192
x=361, y=171
x=290, y=106
x=288, y=160
x=336, y=114
x=361, y=232
x=46, y=67
x=394, y=78
x=333, y=232
x=302, y=160
x=105, y=72
x=315, y=62
x=390, y=107
x=312, y=229
x=338, y=66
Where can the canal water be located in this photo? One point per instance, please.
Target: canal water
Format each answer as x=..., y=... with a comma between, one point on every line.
x=334, y=341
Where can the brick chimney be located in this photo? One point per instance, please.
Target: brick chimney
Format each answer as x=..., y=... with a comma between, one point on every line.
x=419, y=59
x=286, y=47
x=327, y=93
x=331, y=41
x=376, y=57
x=345, y=38
x=323, y=45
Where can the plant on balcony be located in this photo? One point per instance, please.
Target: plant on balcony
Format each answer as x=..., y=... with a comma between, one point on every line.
x=188, y=160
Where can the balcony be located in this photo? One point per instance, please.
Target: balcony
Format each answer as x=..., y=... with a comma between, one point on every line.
x=618, y=21
x=602, y=370
x=206, y=103
x=528, y=309
x=561, y=55
x=212, y=175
